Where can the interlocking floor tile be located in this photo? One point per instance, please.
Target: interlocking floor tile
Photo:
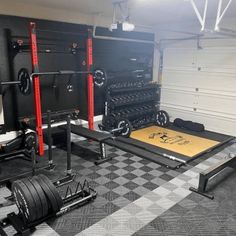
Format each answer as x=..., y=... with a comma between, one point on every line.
x=150, y=186
x=111, y=185
x=110, y=196
x=131, y=185
x=121, y=202
x=129, y=176
x=132, y=196
x=137, y=195
x=121, y=190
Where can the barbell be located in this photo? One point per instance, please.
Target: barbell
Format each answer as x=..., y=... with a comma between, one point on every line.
x=118, y=127
x=25, y=79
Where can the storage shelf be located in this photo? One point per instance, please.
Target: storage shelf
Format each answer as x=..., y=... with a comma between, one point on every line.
x=114, y=105
x=134, y=89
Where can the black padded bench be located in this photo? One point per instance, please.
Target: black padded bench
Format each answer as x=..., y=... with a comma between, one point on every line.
x=92, y=135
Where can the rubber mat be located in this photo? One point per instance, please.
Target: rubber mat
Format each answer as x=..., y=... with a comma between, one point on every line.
x=144, y=154
x=175, y=141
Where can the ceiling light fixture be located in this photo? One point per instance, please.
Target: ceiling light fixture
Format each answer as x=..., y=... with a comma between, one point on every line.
x=124, y=23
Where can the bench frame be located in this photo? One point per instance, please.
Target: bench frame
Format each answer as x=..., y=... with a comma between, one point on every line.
x=211, y=172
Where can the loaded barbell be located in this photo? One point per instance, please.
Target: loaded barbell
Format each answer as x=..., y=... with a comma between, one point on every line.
x=123, y=127
x=25, y=79
x=118, y=127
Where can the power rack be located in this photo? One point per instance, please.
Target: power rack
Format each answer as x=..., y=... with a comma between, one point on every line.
x=32, y=47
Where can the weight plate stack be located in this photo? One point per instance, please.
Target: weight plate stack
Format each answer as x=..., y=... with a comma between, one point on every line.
x=25, y=201
x=42, y=196
x=36, y=198
x=51, y=192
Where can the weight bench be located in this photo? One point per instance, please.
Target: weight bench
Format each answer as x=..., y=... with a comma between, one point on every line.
x=211, y=172
x=89, y=134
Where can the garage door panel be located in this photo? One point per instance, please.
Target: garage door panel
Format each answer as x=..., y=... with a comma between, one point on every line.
x=221, y=57
x=213, y=103
x=180, y=58
x=214, y=82
x=214, y=123
x=176, y=98
x=200, y=85
x=196, y=100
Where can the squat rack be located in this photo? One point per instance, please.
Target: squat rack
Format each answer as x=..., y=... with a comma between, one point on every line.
x=36, y=84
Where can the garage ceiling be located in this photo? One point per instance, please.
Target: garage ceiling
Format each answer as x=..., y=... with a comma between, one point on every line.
x=143, y=12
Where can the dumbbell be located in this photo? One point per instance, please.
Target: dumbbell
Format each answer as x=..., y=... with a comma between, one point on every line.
x=122, y=113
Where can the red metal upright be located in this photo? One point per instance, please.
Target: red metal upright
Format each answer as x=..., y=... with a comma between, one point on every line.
x=90, y=84
x=36, y=82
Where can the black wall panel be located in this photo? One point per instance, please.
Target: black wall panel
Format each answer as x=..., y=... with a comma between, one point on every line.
x=114, y=56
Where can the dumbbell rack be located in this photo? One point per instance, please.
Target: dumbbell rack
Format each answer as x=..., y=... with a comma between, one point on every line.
x=135, y=101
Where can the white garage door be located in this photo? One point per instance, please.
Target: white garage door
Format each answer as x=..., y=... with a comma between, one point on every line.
x=200, y=85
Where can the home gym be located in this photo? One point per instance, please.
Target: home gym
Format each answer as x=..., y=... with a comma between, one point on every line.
x=117, y=118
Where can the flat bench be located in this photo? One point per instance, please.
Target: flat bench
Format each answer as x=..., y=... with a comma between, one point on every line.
x=87, y=133
x=92, y=135
x=211, y=172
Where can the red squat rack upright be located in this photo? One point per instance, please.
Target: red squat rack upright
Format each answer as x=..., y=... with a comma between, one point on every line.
x=36, y=85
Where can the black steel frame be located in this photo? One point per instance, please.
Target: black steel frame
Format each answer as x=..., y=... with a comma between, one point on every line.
x=205, y=176
x=31, y=156
x=102, y=147
x=69, y=175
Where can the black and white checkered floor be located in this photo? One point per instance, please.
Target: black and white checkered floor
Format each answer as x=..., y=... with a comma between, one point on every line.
x=138, y=197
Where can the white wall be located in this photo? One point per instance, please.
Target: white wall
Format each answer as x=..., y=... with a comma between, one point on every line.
x=17, y=8
x=1, y=111
x=200, y=84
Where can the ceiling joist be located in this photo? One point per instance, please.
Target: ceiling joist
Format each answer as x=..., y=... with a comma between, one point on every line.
x=202, y=19
x=219, y=17
x=220, y=13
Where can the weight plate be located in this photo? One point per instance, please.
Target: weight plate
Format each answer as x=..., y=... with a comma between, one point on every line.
x=126, y=127
x=162, y=118
x=108, y=122
x=100, y=78
x=53, y=190
x=52, y=201
x=24, y=201
x=42, y=196
x=25, y=86
x=30, y=141
x=35, y=197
